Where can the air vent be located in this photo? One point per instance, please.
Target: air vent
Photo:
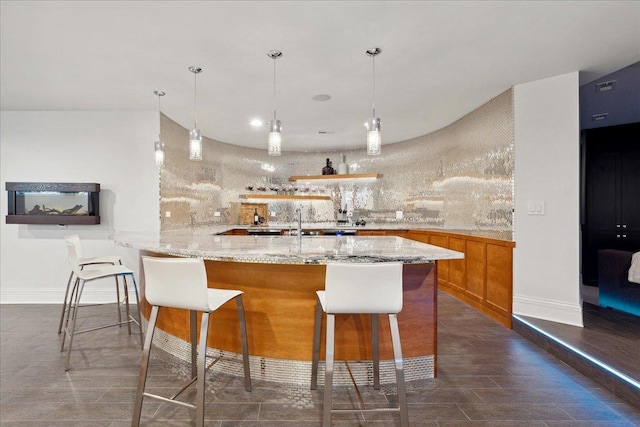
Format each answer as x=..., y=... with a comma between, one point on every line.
x=605, y=86
x=598, y=117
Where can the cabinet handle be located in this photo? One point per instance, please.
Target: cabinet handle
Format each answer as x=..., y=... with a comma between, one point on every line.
x=618, y=225
x=624, y=225
x=617, y=236
x=624, y=236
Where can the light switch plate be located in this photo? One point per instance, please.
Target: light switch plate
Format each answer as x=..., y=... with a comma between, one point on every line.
x=535, y=207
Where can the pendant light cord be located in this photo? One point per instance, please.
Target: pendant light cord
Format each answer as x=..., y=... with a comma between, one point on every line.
x=195, y=88
x=274, y=88
x=373, y=62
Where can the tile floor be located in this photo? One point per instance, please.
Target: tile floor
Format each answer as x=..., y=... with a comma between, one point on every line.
x=487, y=376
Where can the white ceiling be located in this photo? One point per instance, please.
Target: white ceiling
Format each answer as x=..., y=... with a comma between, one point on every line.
x=439, y=61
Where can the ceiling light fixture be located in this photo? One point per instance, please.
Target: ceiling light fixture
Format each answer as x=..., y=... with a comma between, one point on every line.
x=159, y=145
x=195, y=136
x=374, y=137
x=275, y=136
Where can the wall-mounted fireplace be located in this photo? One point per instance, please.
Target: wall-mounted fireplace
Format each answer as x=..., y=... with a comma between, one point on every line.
x=53, y=203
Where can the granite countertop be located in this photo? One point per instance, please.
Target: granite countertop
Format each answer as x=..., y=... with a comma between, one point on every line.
x=205, y=243
x=489, y=234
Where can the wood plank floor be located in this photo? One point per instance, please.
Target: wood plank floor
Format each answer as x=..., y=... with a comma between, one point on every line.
x=487, y=376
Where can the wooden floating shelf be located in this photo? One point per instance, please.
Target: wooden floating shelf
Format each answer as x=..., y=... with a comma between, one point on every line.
x=283, y=197
x=335, y=177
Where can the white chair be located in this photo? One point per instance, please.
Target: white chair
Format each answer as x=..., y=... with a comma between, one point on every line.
x=84, y=276
x=182, y=283
x=102, y=260
x=359, y=288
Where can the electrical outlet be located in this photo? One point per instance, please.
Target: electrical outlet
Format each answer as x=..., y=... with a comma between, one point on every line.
x=216, y=213
x=167, y=214
x=399, y=214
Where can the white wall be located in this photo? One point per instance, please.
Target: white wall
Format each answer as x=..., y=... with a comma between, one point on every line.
x=114, y=149
x=546, y=281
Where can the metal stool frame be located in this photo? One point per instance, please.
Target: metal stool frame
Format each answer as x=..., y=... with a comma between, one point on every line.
x=202, y=367
x=328, y=409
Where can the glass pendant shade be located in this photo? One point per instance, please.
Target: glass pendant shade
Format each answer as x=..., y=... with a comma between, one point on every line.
x=374, y=137
x=195, y=144
x=159, y=145
x=275, y=138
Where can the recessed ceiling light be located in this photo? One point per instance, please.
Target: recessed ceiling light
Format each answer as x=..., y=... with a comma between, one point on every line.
x=256, y=122
x=321, y=97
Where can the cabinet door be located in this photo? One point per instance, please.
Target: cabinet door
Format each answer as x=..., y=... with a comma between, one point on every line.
x=602, y=197
x=630, y=191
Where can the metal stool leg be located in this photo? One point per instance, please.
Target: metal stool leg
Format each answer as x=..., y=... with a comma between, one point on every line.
x=397, y=354
x=139, y=321
x=328, y=371
x=73, y=323
x=245, y=346
x=316, y=346
x=70, y=310
x=64, y=303
x=125, y=288
x=202, y=367
x=144, y=367
x=375, y=351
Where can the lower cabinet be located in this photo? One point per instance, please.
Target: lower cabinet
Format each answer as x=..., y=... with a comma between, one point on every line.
x=483, y=279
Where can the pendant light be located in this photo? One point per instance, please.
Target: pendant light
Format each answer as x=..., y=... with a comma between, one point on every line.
x=195, y=136
x=159, y=145
x=374, y=137
x=275, y=136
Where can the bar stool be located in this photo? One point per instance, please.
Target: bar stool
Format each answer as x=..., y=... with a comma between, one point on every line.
x=107, y=260
x=84, y=276
x=360, y=288
x=182, y=283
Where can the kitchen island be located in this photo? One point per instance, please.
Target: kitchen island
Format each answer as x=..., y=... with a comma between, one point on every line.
x=279, y=276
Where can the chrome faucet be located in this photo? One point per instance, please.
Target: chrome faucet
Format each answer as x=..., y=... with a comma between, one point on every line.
x=299, y=212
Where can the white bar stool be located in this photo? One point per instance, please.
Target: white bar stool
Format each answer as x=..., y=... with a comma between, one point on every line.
x=358, y=288
x=182, y=283
x=106, y=260
x=84, y=276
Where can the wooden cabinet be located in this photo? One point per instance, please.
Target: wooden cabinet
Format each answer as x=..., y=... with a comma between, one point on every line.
x=483, y=279
x=611, y=216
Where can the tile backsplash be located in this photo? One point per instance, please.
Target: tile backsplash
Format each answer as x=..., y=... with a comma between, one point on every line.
x=459, y=177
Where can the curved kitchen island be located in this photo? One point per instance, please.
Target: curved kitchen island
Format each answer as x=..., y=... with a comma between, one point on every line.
x=279, y=276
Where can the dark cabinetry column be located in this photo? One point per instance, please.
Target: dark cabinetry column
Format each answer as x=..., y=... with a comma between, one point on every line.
x=612, y=208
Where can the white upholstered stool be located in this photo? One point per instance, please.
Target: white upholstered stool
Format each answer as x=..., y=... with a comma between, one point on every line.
x=102, y=260
x=357, y=288
x=82, y=278
x=182, y=283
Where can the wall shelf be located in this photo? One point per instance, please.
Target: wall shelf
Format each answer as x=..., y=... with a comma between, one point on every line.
x=348, y=177
x=284, y=197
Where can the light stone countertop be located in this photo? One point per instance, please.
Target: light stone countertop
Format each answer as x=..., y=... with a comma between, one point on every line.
x=205, y=243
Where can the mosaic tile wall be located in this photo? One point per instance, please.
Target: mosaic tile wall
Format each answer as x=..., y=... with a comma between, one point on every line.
x=457, y=178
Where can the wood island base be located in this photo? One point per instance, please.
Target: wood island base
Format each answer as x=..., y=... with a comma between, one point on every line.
x=279, y=302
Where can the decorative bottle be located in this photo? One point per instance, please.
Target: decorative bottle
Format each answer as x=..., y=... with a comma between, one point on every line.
x=328, y=170
x=343, y=169
x=256, y=217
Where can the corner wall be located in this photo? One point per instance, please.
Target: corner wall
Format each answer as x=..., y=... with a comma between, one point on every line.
x=114, y=149
x=546, y=281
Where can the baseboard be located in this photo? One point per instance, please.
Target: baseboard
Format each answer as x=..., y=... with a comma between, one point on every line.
x=570, y=314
